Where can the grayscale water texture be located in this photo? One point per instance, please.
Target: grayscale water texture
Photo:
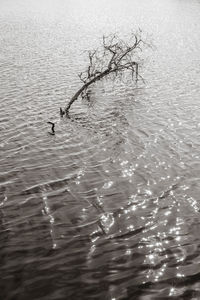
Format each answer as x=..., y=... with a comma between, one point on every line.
x=109, y=207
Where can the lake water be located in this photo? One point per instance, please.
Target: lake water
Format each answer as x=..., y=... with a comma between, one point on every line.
x=108, y=207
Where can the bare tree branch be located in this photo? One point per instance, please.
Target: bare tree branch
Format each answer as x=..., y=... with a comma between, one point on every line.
x=116, y=56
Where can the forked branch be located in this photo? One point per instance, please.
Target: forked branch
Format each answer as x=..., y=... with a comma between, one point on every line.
x=116, y=56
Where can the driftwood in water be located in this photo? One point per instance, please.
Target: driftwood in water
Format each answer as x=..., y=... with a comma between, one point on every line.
x=113, y=58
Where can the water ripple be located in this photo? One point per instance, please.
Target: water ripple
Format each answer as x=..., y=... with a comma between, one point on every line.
x=107, y=208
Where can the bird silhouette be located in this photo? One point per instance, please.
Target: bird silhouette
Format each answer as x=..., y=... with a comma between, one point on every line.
x=52, y=128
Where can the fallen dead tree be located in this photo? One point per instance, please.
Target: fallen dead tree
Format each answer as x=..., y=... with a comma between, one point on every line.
x=115, y=57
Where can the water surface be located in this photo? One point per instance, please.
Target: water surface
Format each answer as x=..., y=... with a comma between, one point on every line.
x=108, y=208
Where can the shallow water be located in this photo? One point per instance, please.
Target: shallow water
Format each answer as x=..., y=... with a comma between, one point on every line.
x=108, y=208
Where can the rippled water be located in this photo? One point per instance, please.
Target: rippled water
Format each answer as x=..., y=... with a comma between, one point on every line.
x=108, y=208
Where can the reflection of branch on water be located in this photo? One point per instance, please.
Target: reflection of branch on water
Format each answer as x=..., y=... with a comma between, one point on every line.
x=166, y=193
x=86, y=95
x=49, y=186
x=107, y=219
x=47, y=211
x=45, y=192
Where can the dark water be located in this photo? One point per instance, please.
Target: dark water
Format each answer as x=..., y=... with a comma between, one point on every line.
x=108, y=208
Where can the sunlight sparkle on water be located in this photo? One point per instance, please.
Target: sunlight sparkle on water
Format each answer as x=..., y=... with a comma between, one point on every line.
x=107, y=185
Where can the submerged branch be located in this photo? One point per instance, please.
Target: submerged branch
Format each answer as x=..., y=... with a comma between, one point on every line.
x=115, y=57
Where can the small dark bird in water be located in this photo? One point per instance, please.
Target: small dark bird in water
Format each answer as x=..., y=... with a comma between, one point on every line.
x=52, y=128
x=62, y=112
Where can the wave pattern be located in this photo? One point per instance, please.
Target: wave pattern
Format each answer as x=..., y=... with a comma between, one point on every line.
x=108, y=207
